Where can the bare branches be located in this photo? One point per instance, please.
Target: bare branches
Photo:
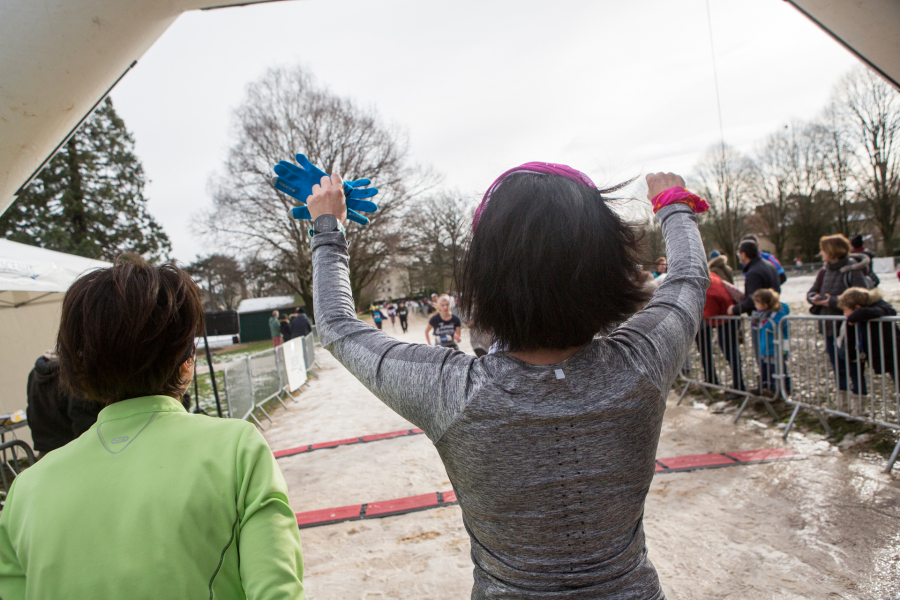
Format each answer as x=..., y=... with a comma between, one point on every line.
x=870, y=111
x=285, y=113
x=723, y=177
x=441, y=226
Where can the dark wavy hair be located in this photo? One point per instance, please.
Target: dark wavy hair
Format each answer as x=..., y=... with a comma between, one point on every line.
x=125, y=331
x=549, y=265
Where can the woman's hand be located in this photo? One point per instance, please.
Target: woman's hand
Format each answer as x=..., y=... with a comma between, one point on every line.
x=657, y=183
x=328, y=198
x=822, y=300
x=664, y=189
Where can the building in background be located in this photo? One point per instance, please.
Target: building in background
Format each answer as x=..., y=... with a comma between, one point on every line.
x=254, y=314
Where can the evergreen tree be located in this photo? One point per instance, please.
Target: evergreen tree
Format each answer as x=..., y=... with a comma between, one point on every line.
x=89, y=199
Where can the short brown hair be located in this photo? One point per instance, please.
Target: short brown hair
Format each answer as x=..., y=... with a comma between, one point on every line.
x=856, y=297
x=126, y=330
x=836, y=246
x=768, y=298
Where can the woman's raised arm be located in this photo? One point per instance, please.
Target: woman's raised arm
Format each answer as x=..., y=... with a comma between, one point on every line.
x=659, y=336
x=424, y=384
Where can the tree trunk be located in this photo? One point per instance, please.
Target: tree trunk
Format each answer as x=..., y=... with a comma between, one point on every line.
x=73, y=203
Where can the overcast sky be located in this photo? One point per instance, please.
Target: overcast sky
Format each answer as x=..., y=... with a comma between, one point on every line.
x=612, y=88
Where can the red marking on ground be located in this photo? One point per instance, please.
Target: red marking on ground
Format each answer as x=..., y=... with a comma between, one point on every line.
x=335, y=443
x=290, y=451
x=401, y=504
x=366, y=438
x=384, y=436
x=328, y=515
x=748, y=456
x=696, y=461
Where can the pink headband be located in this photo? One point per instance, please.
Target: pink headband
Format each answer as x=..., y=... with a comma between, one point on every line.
x=538, y=168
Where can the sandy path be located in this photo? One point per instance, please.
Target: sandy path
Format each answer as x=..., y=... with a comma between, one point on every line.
x=824, y=527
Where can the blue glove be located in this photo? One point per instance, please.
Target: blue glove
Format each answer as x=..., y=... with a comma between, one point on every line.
x=297, y=182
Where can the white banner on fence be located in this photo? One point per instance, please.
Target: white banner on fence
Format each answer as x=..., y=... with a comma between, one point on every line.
x=883, y=265
x=294, y=365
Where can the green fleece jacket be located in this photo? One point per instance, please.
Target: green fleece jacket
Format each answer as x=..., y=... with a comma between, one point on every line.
x=152, y=502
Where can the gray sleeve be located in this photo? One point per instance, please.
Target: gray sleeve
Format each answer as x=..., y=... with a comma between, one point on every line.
x=657, y=339
x=426, y=385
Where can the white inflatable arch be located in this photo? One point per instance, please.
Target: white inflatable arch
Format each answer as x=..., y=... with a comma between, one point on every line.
x=59, y=59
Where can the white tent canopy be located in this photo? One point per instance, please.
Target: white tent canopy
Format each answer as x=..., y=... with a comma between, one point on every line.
x=33, y=282
x=249, y=305
x=28, y=273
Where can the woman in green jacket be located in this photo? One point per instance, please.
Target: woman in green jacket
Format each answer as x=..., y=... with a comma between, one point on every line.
x=152, y=501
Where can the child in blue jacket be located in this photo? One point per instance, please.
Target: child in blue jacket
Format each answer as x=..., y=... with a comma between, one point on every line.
x=766, y=318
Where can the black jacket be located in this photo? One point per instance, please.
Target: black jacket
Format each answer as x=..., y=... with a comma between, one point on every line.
x=55, y=418
x=300, y=326
x=874, y=337
x=285, y=330
x=759, y=274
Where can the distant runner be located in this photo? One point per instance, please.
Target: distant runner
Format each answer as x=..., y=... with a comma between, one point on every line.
x=403, y=313
x=445, y=324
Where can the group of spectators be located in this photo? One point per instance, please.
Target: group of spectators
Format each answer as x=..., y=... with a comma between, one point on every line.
x=284, y=327
x=844, y=286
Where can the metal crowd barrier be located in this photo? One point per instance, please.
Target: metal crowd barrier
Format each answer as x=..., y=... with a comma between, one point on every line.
x=810, y=362
x=252, y=381
x=239, y=390
x=309, y=352
x=859, y=383
x=725, y=357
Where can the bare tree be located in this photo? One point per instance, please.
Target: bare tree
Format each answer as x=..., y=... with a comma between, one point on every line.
x=223, y=279
x=262, y=280
x=284, y=113
x=870, y=110
x=441, y=224
x=836, y=163
x=788, y=166
x=723, y=176
x=812, y=216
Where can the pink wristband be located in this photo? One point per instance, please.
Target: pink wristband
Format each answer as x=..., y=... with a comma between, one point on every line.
x=680, y=195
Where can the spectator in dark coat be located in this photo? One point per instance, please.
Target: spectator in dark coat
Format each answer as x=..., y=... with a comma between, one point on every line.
x=759, y=274
x=285, y=324
x=782, y=276
x=834, y=279
x=875, y=341
x=300, y=325
x=718, y=264
x=860, y=248
x=54, y=416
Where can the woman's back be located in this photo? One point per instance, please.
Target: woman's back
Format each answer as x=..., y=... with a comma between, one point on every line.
x=551, y=465
x=515, y=437
x=152, y=502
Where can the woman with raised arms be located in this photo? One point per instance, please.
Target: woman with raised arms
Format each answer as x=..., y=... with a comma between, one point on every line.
x=550, y=443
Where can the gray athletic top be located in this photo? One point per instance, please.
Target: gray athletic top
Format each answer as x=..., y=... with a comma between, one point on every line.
x=551, y=464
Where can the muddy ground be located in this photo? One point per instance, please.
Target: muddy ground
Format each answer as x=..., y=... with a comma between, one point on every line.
x=826, y=526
